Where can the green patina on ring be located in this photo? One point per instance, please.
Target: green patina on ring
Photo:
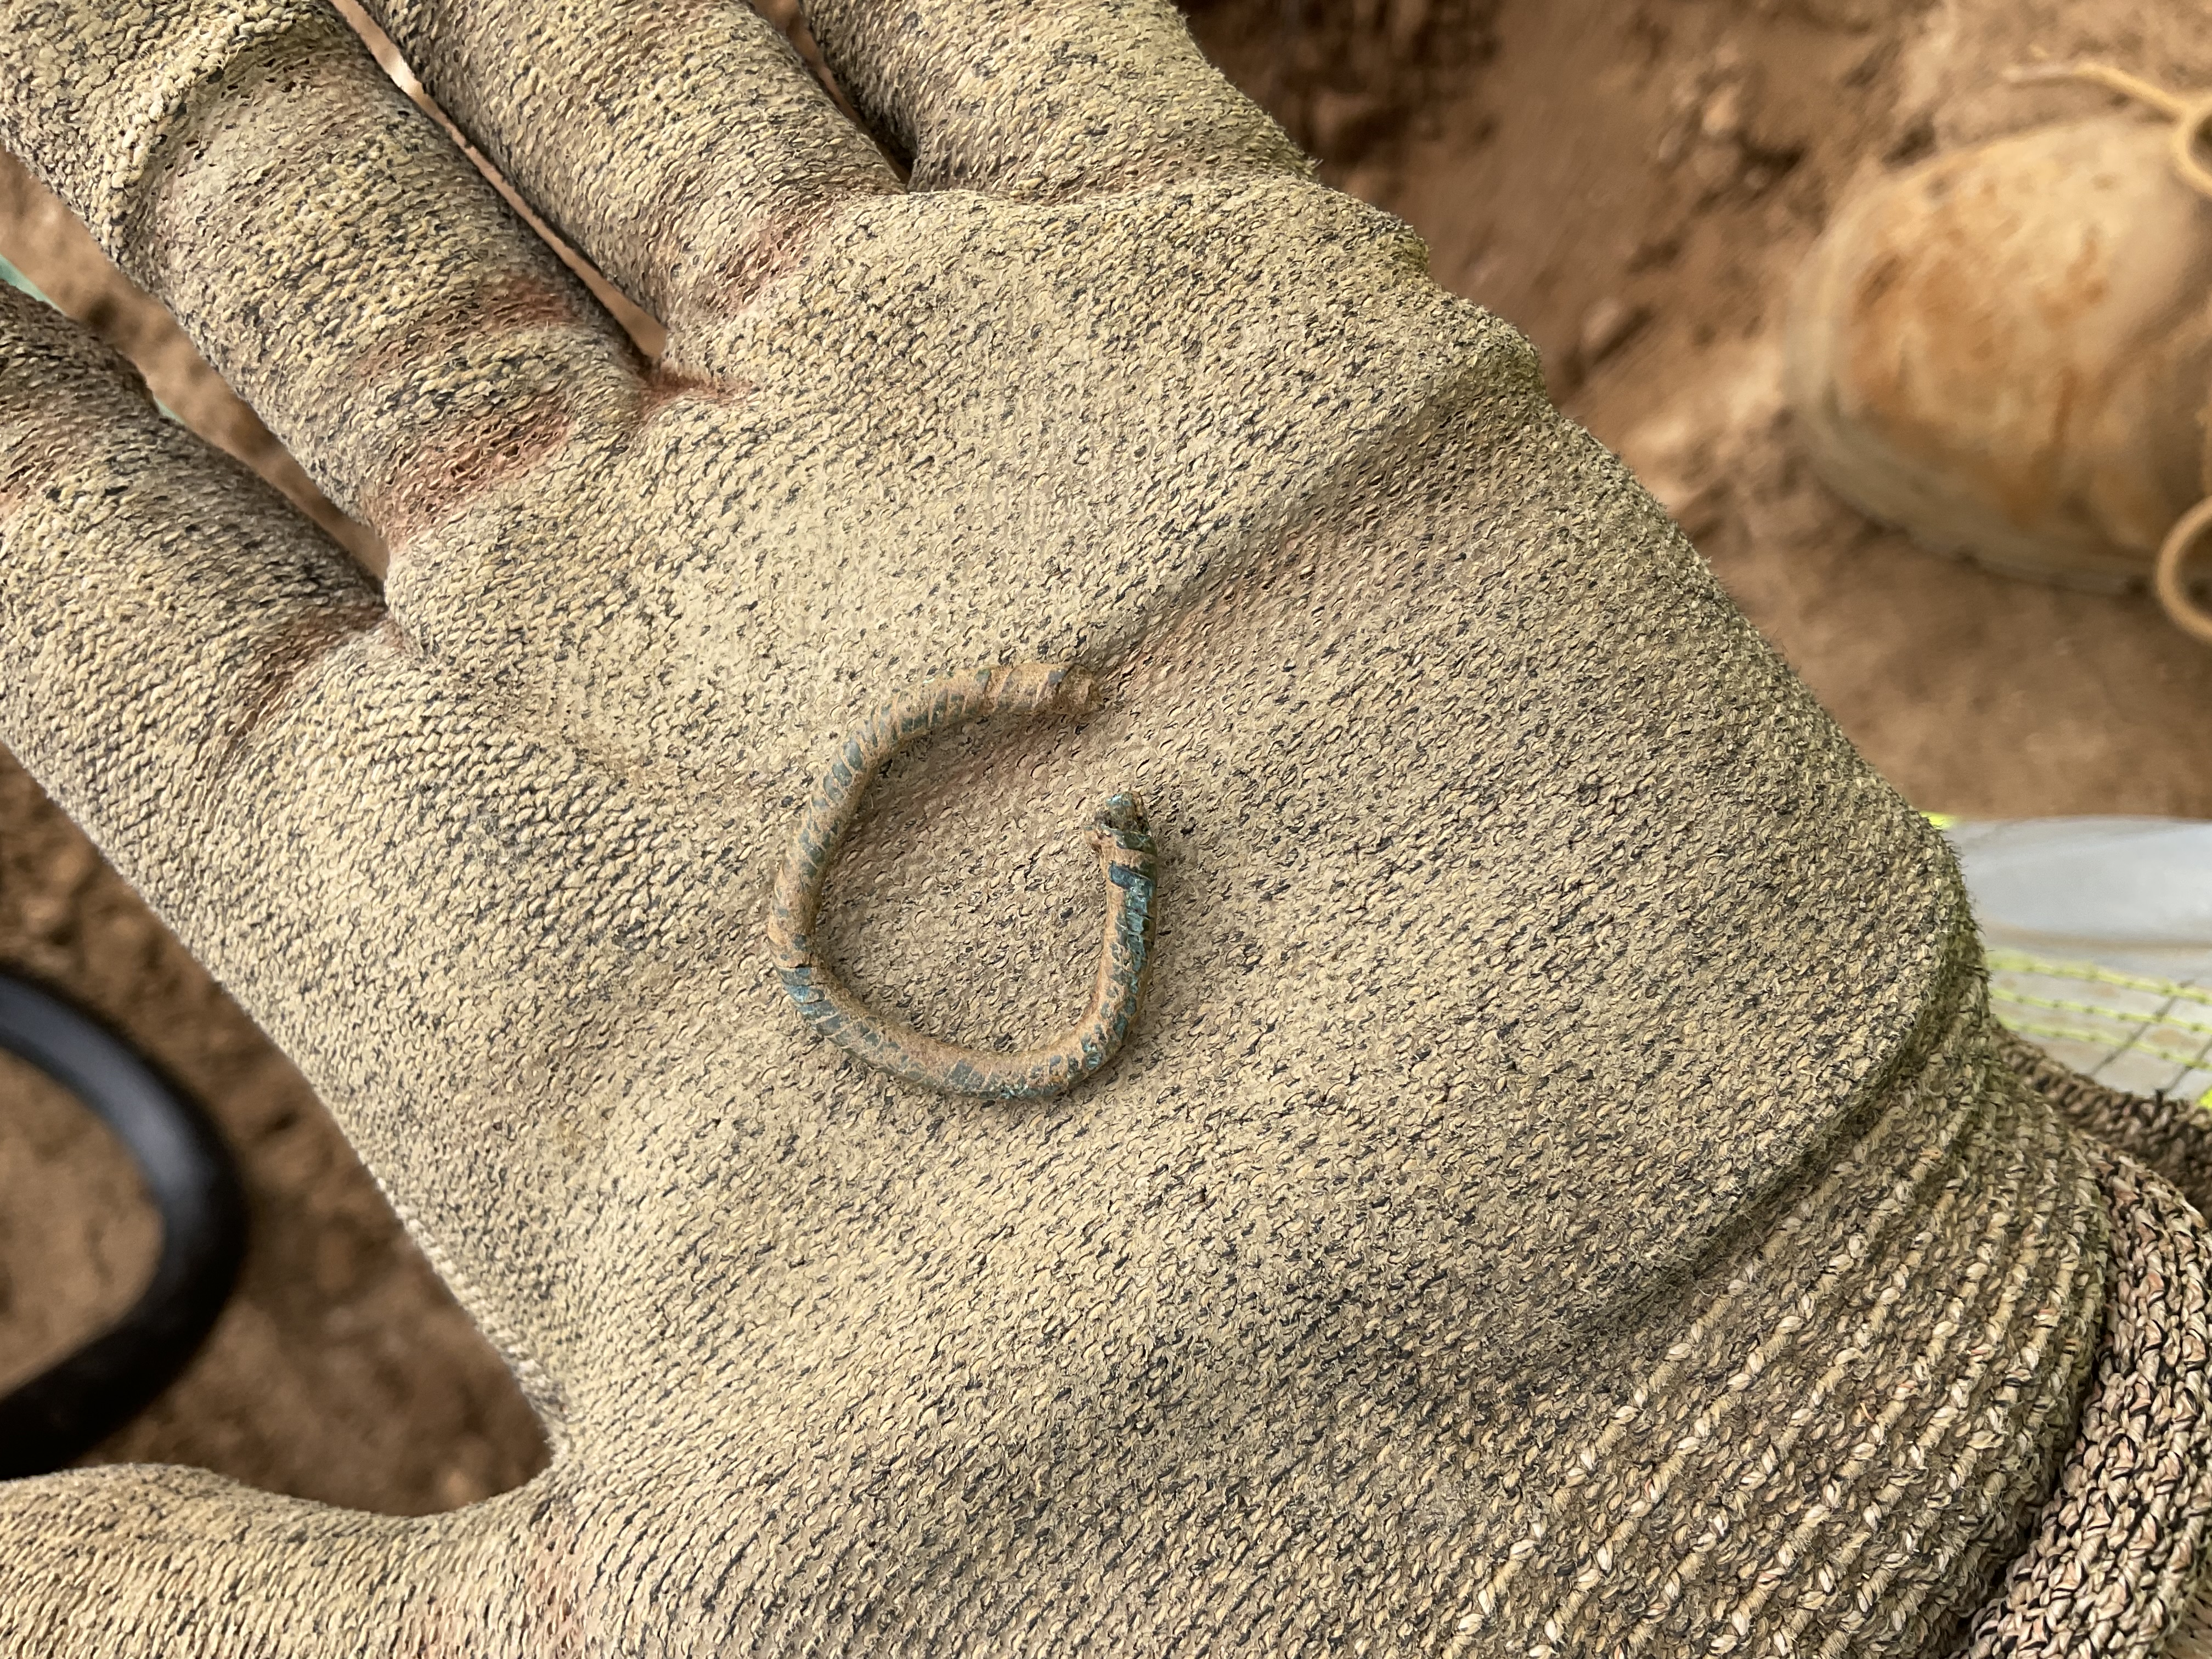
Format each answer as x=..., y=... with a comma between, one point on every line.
x=1127, y=857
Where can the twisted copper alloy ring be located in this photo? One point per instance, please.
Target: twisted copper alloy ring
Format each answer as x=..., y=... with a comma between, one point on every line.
x=1126, y=856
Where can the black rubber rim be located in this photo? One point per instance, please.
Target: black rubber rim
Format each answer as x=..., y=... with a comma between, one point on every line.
x=68, y=1408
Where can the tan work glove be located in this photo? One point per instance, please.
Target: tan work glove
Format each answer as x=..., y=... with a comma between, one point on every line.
x=1560, y=1194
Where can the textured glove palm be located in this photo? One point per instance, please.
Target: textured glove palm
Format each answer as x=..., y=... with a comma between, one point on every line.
x=1545, y=998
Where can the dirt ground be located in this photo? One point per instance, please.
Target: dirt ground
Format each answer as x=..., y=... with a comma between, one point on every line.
x=1633, y=182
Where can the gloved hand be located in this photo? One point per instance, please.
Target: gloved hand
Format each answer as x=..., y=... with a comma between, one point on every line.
x=1559, y=1194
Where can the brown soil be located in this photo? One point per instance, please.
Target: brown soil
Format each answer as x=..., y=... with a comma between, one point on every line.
x=341, y=1371
x=1632, y=182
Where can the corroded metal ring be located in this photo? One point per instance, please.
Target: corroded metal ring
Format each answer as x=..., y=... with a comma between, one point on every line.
x=1126, y=855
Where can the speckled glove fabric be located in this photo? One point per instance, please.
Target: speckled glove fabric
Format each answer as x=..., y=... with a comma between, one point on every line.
x=1564, y=1193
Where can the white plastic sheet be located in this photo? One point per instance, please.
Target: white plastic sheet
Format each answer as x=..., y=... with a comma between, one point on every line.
x=2099, y=939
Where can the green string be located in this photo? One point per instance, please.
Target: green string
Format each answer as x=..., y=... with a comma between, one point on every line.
x=16, y=278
